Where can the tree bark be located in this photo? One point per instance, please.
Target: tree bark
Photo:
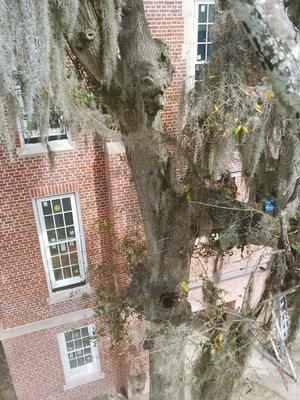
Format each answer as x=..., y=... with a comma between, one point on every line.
x=277, y=42
x=167, y=366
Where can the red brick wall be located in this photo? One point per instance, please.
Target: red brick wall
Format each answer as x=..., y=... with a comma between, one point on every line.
x=37, y=370
x=166, y=22
x=24, y=290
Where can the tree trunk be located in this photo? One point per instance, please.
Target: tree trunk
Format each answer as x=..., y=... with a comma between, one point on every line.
x=167, y=365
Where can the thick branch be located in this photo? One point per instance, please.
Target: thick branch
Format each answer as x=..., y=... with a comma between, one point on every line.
x=277, y=42
x=238, y=224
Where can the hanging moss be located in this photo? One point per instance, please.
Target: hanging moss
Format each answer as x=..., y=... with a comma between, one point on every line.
x=33, y=55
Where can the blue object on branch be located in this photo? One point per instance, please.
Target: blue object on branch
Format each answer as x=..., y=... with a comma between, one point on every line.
x=269, y=205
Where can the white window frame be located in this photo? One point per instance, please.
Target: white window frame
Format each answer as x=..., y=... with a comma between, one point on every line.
x=39, y=147
x=86, y=373
x=196, y=8
x=44, y=243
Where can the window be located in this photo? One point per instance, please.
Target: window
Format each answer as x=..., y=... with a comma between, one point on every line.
x=31, y=140
x=79, y=353
x=204, y=17
x=61, y=240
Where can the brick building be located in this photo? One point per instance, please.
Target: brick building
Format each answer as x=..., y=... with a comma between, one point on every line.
x=53, y=242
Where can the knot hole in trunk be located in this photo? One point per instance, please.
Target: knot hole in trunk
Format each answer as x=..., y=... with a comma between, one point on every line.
x=168, y=300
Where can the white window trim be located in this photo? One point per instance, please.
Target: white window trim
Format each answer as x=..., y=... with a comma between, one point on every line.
x=70, y=294
x=29, y=149
x=57, y=296
x=197, y=3
x=57, y=146
x=81, y=375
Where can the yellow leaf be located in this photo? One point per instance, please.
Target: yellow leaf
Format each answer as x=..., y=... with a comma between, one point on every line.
x=218, y=340
x=270, y=95
x=245, y=129
x=258, y=107
x=238, y=129
x=189, y=196
x=216, y=109
x=185, y=287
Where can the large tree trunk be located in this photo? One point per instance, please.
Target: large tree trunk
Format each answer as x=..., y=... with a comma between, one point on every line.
x=167, y=366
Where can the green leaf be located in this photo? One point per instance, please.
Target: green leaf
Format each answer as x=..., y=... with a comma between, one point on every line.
x=185, y=287
x=296, y=247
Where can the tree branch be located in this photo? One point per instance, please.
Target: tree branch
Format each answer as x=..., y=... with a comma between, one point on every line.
x=277, y=42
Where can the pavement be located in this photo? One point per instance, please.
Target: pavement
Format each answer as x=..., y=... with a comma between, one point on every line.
x=265, y=379
x=6, y=388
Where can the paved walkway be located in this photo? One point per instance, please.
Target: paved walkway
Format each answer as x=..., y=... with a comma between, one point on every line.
x=265, y=380
x=6, y=388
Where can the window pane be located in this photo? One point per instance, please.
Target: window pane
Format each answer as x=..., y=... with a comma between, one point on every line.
x=51, y=236
x=76, y=333
x=73, y=364
x=87, y=351
x=46, y=207
x=67, y=273
x=66, y=204
x=79, y=353
x=72, y=355
x=73, y=258
x=71, y=232
x=78, y=343
x=65, y=260
x=53, y=250
x=75, y=270
x=202, y=13
x=69, y=335
x=81, y=361
x=59, y=221
x=63, y=248
x=201, y=52
x=211, y=13
x=56, y=204
x=58, y=274
x=49, y=222
x=70, y=346
x=56, y=262
x=72, y=246
x=69, y=218
x=202, y=33
x=88, y=359
x=84, y=331
x=61, y=234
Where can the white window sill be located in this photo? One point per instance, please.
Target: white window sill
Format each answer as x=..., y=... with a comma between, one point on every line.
x=80, y=380
x=39, y=148
x=70, y=294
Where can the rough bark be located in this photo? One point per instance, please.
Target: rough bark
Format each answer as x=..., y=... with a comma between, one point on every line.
x=134, y=97
x=277, y=42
